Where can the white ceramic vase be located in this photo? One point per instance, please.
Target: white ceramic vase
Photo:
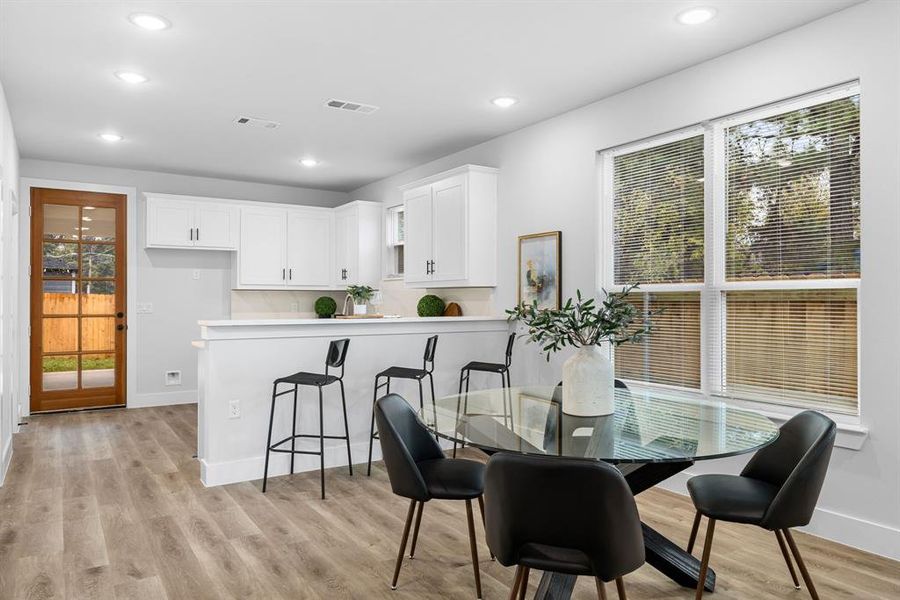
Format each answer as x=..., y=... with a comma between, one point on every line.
x=359, y=309
x=588, y=380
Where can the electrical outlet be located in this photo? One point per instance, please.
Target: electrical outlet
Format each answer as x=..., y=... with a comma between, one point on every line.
x=173, y=377
x=144, y=308
x=234, y=409
x=295, y=307
x=196, y=274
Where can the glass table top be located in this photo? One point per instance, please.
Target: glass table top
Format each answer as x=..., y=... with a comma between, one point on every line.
x=647, y=426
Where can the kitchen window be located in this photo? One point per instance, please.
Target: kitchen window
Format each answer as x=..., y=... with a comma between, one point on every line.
x=746, y=232
x=395, y=241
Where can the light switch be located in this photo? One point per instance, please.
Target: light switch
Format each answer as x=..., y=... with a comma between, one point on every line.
x=196, y=274
x=144, y=308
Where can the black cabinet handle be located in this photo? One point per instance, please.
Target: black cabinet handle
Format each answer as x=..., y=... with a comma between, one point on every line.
x=282, y=274
x=290, y=273
x=192, y=234
x=198, y=234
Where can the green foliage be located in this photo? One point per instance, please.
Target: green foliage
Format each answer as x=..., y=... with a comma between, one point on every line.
x=583, y=322
x=430, y=306
x=325, y=306
x=360, y=293
x=58, y=364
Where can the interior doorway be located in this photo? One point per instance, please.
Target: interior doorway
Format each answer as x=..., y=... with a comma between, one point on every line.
x=78, y=299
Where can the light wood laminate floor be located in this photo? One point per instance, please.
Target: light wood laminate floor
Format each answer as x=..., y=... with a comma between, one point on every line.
x=108, y=504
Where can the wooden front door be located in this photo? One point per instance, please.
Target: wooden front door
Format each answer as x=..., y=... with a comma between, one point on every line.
x=78, y=326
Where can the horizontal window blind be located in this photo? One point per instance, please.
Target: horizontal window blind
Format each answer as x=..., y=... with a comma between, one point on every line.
x=792, y=347
x=792, y=194
x=671, y=353
x=658, y=214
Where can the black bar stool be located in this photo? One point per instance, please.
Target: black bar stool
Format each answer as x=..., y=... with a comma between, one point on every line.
x=406, y=373
x=486, y=367
x=337, y=353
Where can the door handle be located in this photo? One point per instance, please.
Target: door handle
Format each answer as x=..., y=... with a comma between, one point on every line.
x=120, y=326
x=119, y=315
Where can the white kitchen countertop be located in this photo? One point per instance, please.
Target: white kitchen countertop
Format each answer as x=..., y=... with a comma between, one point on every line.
x=381, y=321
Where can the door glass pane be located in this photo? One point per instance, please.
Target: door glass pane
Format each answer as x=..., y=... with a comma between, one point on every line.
x=59, y=373
x=59, y=298
x=60, y=222
x=98, y=370
x=98, y=297
x=60, y=259
x=60, y=334
x=99, y=224
x=98, y=260
x=97, y=333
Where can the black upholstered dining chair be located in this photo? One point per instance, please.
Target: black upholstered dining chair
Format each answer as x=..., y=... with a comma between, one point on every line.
x=777, y=490
x=565, y=515
x=418, y=470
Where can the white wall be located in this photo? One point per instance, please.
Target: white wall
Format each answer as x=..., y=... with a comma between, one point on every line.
x=165, y=277
x=9, y=178
x=548, y=180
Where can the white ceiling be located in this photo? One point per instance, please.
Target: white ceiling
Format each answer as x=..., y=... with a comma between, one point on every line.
x=432, y=67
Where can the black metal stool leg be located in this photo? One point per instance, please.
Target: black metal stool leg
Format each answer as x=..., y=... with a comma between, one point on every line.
x=433, y=405
x=346, y=427
x=372, y=429
x=458, y=401
x=421, y=399
x=321, y=442
x=269, y=439
x=294, y=430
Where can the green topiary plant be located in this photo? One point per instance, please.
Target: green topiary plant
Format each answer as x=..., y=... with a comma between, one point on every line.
x=430, y=306
x=325, y=306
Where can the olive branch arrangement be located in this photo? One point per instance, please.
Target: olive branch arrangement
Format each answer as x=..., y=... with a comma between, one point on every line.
x=584, y=322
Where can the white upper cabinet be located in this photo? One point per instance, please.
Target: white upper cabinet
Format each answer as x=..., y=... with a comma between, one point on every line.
x=357, y=244
x=309, y=248
x=261, y=255
x=284, y=248
x=451, y=229
x=186, y=222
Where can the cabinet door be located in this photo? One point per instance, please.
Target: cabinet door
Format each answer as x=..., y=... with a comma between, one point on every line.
x=309, y=249
x=170, y=223
x=351, y=247
x=417, y=230
x=214, y=226
x=341, y=248
x=449, y=231
x=262, y=247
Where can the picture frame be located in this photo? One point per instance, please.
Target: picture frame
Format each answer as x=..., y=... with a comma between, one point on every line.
x=540, y=269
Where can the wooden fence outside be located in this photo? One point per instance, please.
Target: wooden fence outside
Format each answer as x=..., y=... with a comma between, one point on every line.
x=97, y=332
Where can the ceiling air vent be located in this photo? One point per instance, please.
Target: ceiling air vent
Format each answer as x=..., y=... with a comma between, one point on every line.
x=357, y=107
x=254, y=122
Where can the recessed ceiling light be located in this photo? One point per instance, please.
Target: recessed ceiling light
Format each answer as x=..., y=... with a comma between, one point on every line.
x=108, y=137
x=131, y=77
x=696, y=16
x=149, y=22
x=88, y=207
x=504, y=101
x=86, y=219
x=309, y=162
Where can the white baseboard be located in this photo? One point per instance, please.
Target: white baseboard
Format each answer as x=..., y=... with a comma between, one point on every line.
x=877, y=538
x=251, y=469
x=5, y=460
x=162, y=399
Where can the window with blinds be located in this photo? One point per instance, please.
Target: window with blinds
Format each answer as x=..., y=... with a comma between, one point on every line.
x=793, y=204
x=779, y=310
x=794, y=347
x=671, y=354
x=792, y=194
x=658, y=213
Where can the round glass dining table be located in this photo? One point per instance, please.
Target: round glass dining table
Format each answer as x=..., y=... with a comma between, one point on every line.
x=652, y=435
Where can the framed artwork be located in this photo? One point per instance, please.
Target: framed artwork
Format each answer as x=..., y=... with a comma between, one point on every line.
x=540, y=269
